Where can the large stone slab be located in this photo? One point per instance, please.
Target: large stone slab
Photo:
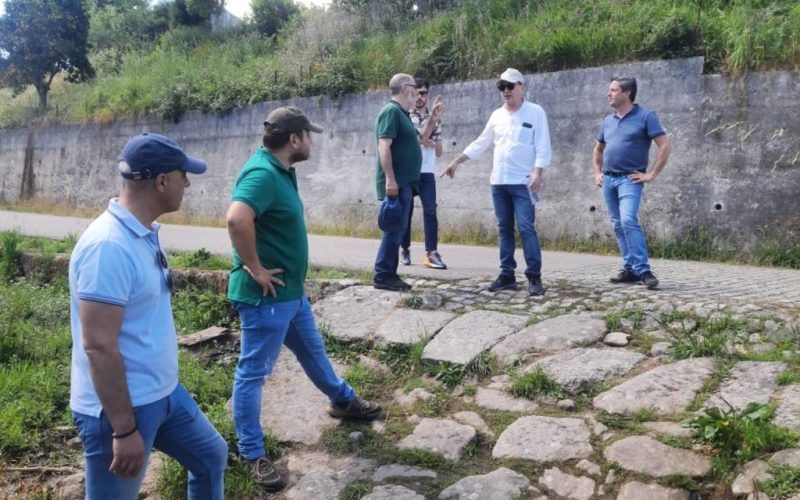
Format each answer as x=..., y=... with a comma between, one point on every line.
x=400, y=471
x=443, y=437
x=497, y=399
x=500, y=484
x=645, y=454
x=749, y=382
x=467, y=336
x=544, y=439
x=555, y=334
x=566, y=485
x=292, y=408
x=666, y=390
x=322, y=477
x=578, y=369
x=408, y=326
x=788, y=412
x=756, y=470
x=356, y=312
x=392, y=492
x=641, y=491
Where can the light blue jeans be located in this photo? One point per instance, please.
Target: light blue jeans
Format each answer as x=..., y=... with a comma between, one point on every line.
x=622, y=198
x=265, y=329
x=174, y=425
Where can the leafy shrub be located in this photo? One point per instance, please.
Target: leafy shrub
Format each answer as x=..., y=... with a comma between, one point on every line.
x=196, y=310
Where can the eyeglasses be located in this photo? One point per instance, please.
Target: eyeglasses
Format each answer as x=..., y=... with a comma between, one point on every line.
x=506, y=86
x=162, y=261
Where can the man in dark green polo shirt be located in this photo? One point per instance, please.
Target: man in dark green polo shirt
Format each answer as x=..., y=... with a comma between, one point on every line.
x=270, y=256
x=397, y=171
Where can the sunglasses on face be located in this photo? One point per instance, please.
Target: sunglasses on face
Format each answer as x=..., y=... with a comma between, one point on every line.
x=506, y=86
x=162, y=261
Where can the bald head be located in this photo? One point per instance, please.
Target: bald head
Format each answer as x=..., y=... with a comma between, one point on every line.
x=397, y=82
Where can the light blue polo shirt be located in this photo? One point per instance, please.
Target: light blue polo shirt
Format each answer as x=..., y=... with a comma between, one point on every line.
x=628, y=139
x=116, y=262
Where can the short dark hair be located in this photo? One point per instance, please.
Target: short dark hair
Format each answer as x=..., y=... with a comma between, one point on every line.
x=422, y=82
x=275, y=137
x=627, y=84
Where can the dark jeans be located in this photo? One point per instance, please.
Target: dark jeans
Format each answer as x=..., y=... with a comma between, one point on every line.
x=427, y=195
x=513, y=201
x=388, y=253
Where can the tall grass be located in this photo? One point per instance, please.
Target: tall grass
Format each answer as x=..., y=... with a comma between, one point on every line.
x=334, y=52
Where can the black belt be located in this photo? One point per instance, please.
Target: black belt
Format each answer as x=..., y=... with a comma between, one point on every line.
x=621, y=174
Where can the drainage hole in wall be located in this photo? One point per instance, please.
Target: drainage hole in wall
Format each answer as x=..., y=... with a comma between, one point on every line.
x=592, y=208
x=363, y=151
x=718, y=206
x=453, y=143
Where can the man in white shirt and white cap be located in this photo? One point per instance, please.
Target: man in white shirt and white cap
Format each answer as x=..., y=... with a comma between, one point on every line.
x=521, y=139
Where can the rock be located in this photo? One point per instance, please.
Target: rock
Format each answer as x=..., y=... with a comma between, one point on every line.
x=356, y=436
x=495, y=399
x=551, y=335
x=645, y=454
x=391, y=471
x=588, y=467
x=443, y=437
x=392, y=492
x=749, y=382
x=670, y=428
x=473, y=420
x=566, y=405
x=567, y=485
x=197, y=339
x=660, y=349
x=323, y=477
x=500, y=484
x=356, y=312
x=667, y=389
x=414, y=395
x=640, y=491
x=756, y=470
x=578, y=369
x=149, y=486
x=292, y=408
x=408, y=326
x=790, y=457
x=616, y=339
x=69, y=487
x=431, y=301
x=544, y=439
x=788, y=412
x=372, y=364
x=467, y=336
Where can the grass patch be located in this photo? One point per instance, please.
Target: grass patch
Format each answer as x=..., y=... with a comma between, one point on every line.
x=722, y=370
x=710, y=338
x=367, y=383
x=452, y=374
x=789, y=377
x=198, y=259
x=536, y=383
x=195, y=309
x=784, y=483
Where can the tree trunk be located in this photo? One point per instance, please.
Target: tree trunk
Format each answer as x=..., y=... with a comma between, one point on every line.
x=42, y=91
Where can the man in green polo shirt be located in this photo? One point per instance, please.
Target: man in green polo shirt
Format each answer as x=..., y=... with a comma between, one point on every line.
x=396, y=173
x=270, y=256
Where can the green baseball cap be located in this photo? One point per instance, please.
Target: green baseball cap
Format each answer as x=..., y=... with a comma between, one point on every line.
x=292, y=119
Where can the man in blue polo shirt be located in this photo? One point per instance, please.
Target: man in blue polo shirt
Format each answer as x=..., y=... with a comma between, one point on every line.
x=620, y=159
x=125, y=396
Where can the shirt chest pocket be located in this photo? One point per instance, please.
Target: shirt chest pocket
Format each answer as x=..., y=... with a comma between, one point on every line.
x=523, y=134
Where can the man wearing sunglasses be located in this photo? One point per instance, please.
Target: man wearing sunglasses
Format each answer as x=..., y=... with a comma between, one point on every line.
x=268, y=232
x=125, y=395
x=428, y=125
x=522, y=151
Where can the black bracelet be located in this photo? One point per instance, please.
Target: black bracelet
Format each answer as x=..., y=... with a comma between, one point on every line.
x=120, y=436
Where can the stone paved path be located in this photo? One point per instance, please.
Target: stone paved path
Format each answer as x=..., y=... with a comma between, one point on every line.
x=478, y=440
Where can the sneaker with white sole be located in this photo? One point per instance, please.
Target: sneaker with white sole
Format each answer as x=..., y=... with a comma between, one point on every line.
x=434, y=261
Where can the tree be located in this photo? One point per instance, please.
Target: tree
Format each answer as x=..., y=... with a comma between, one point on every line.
x=270, y=15
x=42, y=39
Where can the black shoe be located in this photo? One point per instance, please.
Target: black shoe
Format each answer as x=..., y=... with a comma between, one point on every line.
x=357, y=409
x=649, y=279
x=535, y=287
x=503, y=282
x=625, y=276
x=405, y=257
x=265, y=474
x=394, y=283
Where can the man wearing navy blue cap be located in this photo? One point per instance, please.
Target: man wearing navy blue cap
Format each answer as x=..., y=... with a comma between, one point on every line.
x=125, y=396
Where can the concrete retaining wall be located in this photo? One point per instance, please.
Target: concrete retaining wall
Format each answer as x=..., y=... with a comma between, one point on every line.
x=734, y=170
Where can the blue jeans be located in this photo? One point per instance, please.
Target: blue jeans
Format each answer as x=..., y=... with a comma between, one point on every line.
x=427, y=195
x=513, y=201
x=173, y=425
x=622, y=198
x=389, y=251
x=265, y=329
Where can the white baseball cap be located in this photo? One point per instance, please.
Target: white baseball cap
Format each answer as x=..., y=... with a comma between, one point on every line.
x=512, y=75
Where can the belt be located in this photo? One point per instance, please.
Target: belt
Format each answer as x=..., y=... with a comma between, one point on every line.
x=621, y=174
